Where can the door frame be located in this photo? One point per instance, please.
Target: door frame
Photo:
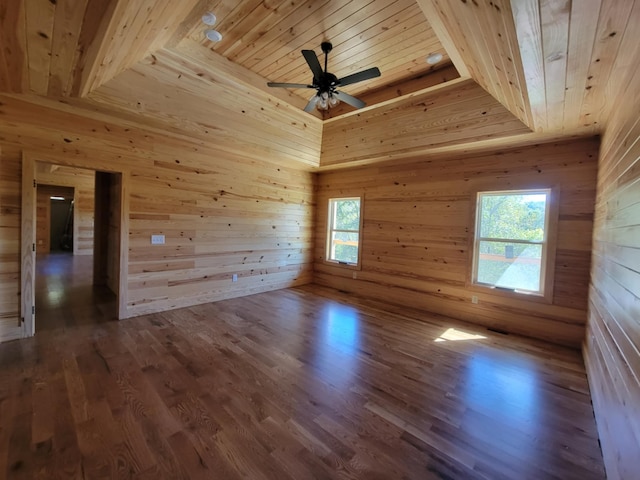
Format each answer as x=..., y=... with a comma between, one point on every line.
x=28, y=230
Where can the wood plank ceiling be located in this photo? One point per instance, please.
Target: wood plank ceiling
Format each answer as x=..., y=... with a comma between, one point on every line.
x=552, y=63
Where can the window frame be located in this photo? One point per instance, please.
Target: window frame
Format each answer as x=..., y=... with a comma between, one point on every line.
x=330, y=230
x=548, y=246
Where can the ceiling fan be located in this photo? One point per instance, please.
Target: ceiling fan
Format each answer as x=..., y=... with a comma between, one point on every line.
x=326, y=83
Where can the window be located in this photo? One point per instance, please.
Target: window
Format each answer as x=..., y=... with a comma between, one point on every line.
x=343, y=238
x=511, y=241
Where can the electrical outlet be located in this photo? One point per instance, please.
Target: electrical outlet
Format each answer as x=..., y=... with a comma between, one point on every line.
x=474, y=299
x=234, y=278
x=157, y=239
x=355, y=275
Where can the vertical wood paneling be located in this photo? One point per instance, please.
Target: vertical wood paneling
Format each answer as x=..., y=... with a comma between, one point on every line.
x=417, y=227
x=612, y=344
x=68, y=23
x=14, y=67
x=39, y=26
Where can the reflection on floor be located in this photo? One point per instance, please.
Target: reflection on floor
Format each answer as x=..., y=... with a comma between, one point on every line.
x=65, y=294
x=292, y=384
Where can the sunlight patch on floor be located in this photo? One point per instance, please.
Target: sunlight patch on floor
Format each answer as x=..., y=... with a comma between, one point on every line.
x=453, y=334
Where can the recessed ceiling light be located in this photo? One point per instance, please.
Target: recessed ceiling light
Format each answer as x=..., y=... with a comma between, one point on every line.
x=434, y=58
x=209, y=18
x=213, y=35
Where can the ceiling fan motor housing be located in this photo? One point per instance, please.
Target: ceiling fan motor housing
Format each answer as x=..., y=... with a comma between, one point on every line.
x=327, y=82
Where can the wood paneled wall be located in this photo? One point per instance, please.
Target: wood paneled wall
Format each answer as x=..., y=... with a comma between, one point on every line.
x=223, y=209
x=458, y=112
x=418, y=222
x=82, y=181
x=612, y=344
x=10, y=204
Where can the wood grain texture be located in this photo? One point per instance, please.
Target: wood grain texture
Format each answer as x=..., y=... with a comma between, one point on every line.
x=554, y=64
x=612, y=344
x=223, y=209
x=10, y=225
x=297, y=383
x=454, y=113
x=483, y=35
x=69, y=47
x=399, y=89
x=418, y=222
x=82, y=181
x=267, y=37
x=177, y=92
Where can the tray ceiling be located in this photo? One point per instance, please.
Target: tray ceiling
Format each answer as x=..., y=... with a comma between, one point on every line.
x=553, y=64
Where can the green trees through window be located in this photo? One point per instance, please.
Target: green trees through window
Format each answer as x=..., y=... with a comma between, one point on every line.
x=344, y=230
x=511, y=240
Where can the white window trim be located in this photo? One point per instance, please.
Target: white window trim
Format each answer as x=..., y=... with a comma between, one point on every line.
x=548, y=246
x=330, y=230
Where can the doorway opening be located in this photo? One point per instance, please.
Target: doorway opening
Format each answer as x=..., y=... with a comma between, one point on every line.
x=76, y=241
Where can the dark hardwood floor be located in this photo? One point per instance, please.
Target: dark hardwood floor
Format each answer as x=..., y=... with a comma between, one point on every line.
x=65, y=296
x=295, y=384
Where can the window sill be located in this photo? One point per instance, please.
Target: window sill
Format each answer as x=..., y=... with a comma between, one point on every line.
x=349, y=266
x=510, y=293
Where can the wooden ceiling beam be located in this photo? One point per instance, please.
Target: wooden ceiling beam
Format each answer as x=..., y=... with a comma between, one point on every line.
x=437, y=22
x=481, y=39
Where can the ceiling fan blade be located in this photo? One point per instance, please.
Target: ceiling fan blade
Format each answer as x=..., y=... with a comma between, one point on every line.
x=314, y=64
x=346, y=98
x=312, y=104
x=289, y=85
x=360, y=76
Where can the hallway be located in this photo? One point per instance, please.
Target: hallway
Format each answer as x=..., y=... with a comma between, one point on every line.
x=65, y=295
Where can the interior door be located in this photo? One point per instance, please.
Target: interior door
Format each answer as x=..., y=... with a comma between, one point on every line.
x=28, y=245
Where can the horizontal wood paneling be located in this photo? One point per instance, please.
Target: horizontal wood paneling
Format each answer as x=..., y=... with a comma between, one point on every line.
x=483, y=38
x=418, y=221
x=612, y=344
x=555, y=64
x=267, y=37
x=454, y=113
x=82, y=181
x=10, y=205
x=223, y=208
x=399, y=89
x=179, y=93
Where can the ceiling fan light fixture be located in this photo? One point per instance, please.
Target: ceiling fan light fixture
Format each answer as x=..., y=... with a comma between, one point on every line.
x=209, y=18
x=322, y=104
x=434, y=58
x=325, y=82
x=213, y=35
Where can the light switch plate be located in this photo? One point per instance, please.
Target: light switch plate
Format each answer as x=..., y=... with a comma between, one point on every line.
x=157, y=239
